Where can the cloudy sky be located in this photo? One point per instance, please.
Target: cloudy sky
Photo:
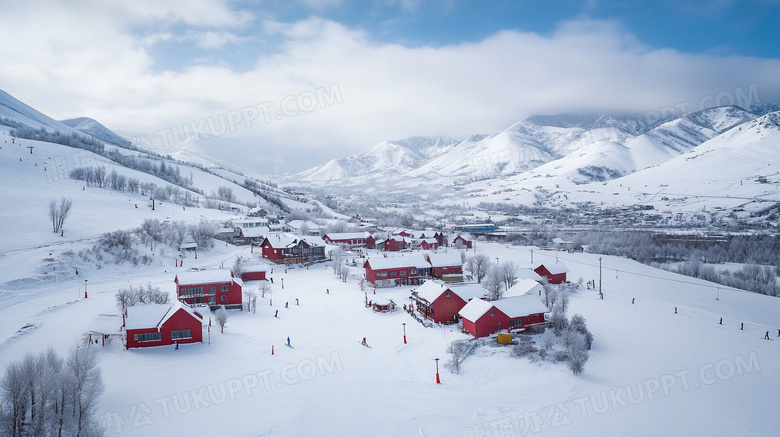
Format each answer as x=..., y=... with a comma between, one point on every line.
x=325, y=78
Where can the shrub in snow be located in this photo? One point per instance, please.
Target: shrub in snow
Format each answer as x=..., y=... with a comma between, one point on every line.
x=578, y=324
x=524, y=348
x=457, y=351
x=221, y=317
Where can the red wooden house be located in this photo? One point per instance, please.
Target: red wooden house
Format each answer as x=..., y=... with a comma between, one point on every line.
x=426, y=244
x=445, y=264
x=395, y=244
x=351, y=239
x=162, y=324
x=461, y=241
x=399, y=270
x=440, y=238
x=370, y=242
x=555, y=273
x=441, y=303
x=482, y=318
x=290, y=249
x=210, y=287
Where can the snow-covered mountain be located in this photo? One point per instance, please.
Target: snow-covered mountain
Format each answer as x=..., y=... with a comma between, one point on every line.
x=579, y=148
x=14, y=112
x=93, y=128
x=386, y=159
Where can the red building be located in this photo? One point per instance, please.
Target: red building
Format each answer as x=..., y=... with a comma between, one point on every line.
x=162, y=324
x=399, y=270
x=461, y=241
x=253, y=273
x=395, y=244
x=441, y=302
x=290, y=249
x=427, y=244
x=210, y=287
x=445, y=264
x=555, y=273
x=370, y=242
x=482, y=318
x=440, y=238
x=351, y=239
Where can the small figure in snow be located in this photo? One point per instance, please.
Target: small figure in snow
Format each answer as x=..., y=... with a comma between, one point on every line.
x=778, y=332
x=364, y=341
x=296, y=301
x=742, y=326
x=632, y=300
x=766, y=336
x=286, y=305
x=272, y=279
x=675, y=310
x=276, y=314
x=177, y=345
x=288, y=341
x=721, y=321
x=327, y=291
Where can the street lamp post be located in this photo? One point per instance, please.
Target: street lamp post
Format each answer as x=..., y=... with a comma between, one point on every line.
x=404, y=332
x=85, y=289
x=438, y=381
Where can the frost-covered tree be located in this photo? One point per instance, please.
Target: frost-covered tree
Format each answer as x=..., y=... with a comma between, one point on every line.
x=221, y=317
x=58, y=212
x=478, y=265
x=494, y=283
x=576, y=351
x=507, y=271
x=578, y=324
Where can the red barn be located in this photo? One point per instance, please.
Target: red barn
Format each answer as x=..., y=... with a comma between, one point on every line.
x=443, y=264
x=461, y=241
x=210, y=287
x=290, y=249
x=427, y=244
x=482, y=318
x=441, y=303
x=555, y=273
x=399, y=270
x=162, y=324
x=351, y=239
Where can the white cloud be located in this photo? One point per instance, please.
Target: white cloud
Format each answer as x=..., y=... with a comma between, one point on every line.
x=67, y=64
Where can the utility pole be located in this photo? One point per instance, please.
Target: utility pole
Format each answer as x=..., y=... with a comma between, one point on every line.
x=532, y=255
x=600, y=277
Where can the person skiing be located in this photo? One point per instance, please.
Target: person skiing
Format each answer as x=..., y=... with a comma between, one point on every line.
x=286, y=304
x=766, y=336
x=363, y=342
x=288, y=341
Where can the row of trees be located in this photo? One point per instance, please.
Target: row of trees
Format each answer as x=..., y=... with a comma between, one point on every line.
x=495, y=278
x=45, y=394
x=100, y=177
x=131, y=296
x=71, y=140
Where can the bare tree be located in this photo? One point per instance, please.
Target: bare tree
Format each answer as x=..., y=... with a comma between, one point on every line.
x=249, y=297
x=344, y=273
x=507, y=271
x=457, y=351
x=221, y=316
x=59, y=212
x=494, y=284
x=478, y=265
x=87, y=388
x=264, y=286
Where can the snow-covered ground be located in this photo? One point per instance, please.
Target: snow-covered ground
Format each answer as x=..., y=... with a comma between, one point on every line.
x=651, y=371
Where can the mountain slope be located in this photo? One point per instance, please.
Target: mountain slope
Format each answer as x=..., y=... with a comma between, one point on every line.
x=13, y=109
x=94, y=129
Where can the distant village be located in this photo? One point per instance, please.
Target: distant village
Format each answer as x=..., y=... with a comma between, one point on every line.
x=436, y=264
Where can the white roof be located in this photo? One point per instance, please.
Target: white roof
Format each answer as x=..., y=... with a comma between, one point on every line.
x=411, y=260
x=347, y=235
x=288, y=240
x=528, y=273
x=445, y=259
x=555, y=268
x=154, y=315
x=204, y=277
x=468, y=292
x=520, y=306
x=475, y=309
x=259, y=231
x=431, y=290
x=522, y=287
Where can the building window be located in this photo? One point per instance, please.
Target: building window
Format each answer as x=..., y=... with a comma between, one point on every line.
x=222, y=298
x=492, y=313
x=403, y=273
x=393, y=273
x=224, y=288
x=194, y=291
x=213, y=299
x=212, y=290
x=152, y=336
x=180, y=335
x=381, y=274
x=447, y=294
x=413, y=271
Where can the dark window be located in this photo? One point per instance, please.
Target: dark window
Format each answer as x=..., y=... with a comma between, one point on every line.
x=222, y=298
x=178, y=335
x=152, y=336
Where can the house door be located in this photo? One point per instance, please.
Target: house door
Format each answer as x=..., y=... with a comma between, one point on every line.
x=499, y=326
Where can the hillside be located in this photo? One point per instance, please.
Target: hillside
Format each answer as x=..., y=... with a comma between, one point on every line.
x=96, y=130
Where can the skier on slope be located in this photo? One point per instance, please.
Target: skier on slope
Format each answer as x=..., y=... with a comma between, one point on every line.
x=766, y=336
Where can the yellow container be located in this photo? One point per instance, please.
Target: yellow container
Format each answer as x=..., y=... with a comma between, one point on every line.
x=505, y=338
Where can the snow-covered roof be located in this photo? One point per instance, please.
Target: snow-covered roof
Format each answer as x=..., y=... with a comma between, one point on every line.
x=145, y=316
x=523, y=286
x=412, y=260
x=528, y=273
x=256, y=232
x=155, y=315
x=468, y=291
x=513, y=307
x=297, y=224
x=519, y=306
x=555, y=268
x=431, y=290
x=288, y=240
x=475, y=309
x=445, y=259
x=347, y=235
x=195, y=277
